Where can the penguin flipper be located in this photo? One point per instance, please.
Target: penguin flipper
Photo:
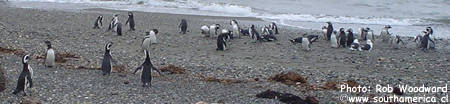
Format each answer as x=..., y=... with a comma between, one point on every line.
x=154, y=68
x=140, y=67
x=30, y=81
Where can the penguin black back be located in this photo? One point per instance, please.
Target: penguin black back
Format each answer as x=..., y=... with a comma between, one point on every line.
x=107, y=58
x=329, y=30
x=98, y=22
x=119, y=29
x=130, y=20
x=342, y=38
x=350, y=37
x=183, y=26
x=147, y=66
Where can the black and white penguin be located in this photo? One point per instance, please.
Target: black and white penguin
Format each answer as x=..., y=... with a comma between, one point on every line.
x=426, y=42
x=273, y=27
x=370, y=34
x=205, y=30
x=50, y=57
x=98, y=22
x=306, y=44
x=221, y=43
x=350, y=36
x=113, y=23
x=147, y=66
x=355, y=45
x=368, y=46
x=313, y=38
x=342, y=38
x=25, y=78
x=214, y=28
x=429, y=30
x=324, y=33
x=334, y=40
x=385, y=35
x=149, y=39
x=107, y=59
x=418, y=39
x=255, y=35
x=432, y=37
x=183, y=26
x=329, y=30
x=296, y=40
x=266, y=31
x=396, y=42
x=119, y=29
x=130, y=20
x=363, y=33
x=235, y=28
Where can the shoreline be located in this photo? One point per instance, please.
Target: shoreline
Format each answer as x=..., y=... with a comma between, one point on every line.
x=71, y=32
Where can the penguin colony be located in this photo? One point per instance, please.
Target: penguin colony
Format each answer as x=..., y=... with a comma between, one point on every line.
x=340, y=38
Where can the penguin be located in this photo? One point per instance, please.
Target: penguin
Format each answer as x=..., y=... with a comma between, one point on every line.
x=266, y=31
x=107, y=59
x=312, y=38
x=329, y=30
x=429, y=30
x=149, y=39
x=119, y=29
x=183, y=26
x=255, y=35
x=342, y=38
x=418, y=39
x=131, y=21
x=432, y=37
x=306, y=44
x=355, y=45
x=235, y=28
x=333, y=40
x=221, y=43
x=324, y=33
x=214, y=28
x=50, y=57
x=370, y=35
x=147, y=66
x=98, y=22
x=273, y=27
x=25, y=78
x=205, y=30
x=113, y=23
x=396, y=41
x=350, y=36
x=385, y=35
x=426, y=42
x=363, y=33
x=296, y=40
x=368, y=46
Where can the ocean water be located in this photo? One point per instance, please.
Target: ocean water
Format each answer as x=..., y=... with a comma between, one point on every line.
x=407, y=17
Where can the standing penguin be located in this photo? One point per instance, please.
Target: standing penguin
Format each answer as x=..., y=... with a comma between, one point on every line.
x=107, y=59
x=183, y=26
x=342, y=38
x=426, y=42
x=370, y=35
x=234, y=24
x=385, y=35
x=306, y=44
x=363, y=33
x=368, y=46
x=98, y=22
x=350, y=36
x=324, y=32
x=147, y=66
x=25, y=78
x=119, y=29
x=432, y=37
x=50, y=57
x=221, y=43
x=149, y=39
x=113, y=23
x=333, y=40
x=396, y=41
x=255, y=35
x=131, y=21
x=329, y=30
x=274, y=27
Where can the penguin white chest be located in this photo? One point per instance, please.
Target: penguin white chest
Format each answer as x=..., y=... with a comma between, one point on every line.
x=50, y=58
x=305, y=44
x=152, y=38
x=333, y=41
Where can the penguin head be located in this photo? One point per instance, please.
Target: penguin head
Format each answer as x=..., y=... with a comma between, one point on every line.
x=155, y=31
x=341, y=29
x=424, y=33
x=130, y=13
x=387, y=27
x=429, y=30
x=25, y=59
x=367, y=29
x=49, y=45
x=108, y=46
x=349, y=30
x=115, y=15
x=252, y=26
